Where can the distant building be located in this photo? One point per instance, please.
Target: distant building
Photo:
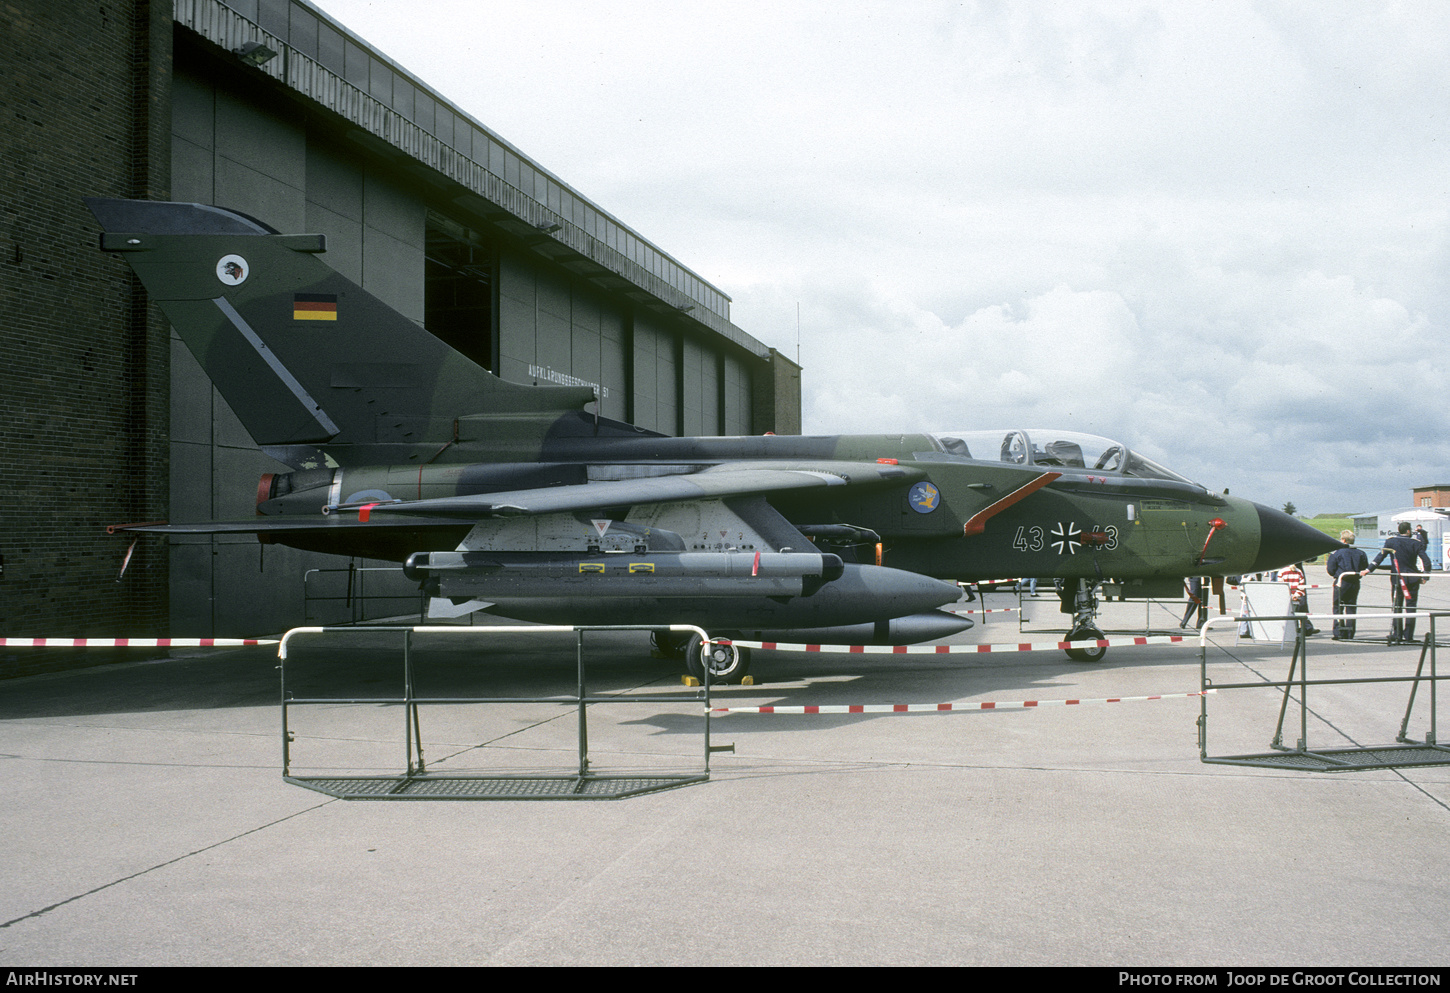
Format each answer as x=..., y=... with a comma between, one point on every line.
x=1371, y=530
x=1431, y=496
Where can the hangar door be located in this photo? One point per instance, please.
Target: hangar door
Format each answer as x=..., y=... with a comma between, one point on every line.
x=460, y=271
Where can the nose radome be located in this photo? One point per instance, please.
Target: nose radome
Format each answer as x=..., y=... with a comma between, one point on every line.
x=1284, y=540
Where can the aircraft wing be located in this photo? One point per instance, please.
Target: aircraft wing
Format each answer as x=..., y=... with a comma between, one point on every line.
x=278, y=524
x=716, y=482
x=727, y=480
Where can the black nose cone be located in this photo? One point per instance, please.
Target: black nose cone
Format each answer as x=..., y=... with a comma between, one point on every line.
x=1284, y=540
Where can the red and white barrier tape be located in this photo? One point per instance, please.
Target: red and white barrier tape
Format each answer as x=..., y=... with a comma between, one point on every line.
x=1307, y=586
x=994, y=610
x=1040, y=646
x=132, y=642
x=920, y=708
x=1330, y=586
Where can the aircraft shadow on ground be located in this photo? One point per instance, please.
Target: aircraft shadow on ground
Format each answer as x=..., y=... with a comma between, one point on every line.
x=371, y=666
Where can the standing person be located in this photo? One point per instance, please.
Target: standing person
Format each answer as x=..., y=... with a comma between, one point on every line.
x=1407, y=561
x=1346, y=565
x=1196, y=602
x=1298, y=593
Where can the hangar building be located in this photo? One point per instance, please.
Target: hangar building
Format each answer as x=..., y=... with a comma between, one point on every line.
x=273, y=108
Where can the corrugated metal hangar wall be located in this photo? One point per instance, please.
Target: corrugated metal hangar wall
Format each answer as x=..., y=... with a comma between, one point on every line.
x=420, y=203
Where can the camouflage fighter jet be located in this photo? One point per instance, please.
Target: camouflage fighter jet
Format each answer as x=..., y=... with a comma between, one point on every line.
x=516, y=500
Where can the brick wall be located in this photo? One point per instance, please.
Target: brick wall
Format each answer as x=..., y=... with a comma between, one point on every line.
x=84, y=111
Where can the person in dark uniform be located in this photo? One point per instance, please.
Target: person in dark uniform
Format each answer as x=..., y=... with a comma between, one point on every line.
x=1346, y=565
x=1407, y=561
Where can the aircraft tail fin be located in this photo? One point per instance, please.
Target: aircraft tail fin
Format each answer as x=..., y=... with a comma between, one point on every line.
x=303, y=355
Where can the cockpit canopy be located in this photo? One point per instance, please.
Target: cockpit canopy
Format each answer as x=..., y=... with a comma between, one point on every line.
x=1054, y=449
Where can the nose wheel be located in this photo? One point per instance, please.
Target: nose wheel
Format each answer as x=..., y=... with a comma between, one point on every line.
x=1092, y=653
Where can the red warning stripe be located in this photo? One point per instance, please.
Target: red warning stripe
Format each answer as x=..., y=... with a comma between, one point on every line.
x=978, y=523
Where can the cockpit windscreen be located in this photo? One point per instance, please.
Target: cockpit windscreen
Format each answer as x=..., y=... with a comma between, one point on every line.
x=1053, y=449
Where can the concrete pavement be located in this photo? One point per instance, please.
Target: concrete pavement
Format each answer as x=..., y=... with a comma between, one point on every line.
x=146, y=821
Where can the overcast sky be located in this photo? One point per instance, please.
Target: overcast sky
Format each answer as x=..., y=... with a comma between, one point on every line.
x=1216, y=231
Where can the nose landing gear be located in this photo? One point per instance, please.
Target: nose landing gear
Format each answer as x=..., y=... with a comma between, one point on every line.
x=1084, y=610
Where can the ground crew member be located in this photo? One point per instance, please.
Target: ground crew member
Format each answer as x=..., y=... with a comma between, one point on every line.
x=1346, y=565
x=1407, y=562
x=1197, y=602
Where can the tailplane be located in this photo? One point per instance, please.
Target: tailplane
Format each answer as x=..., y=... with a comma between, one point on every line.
x=304, y=356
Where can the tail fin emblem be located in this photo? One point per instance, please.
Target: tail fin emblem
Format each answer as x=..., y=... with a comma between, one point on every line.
x=232, y=270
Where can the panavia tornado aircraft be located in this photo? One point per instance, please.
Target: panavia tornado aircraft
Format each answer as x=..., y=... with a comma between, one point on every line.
x=516, y=500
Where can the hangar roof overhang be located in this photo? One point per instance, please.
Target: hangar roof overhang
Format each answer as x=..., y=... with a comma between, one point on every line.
x=391, y=111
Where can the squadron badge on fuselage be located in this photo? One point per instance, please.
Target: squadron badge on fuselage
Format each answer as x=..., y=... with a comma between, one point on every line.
x=924, y=498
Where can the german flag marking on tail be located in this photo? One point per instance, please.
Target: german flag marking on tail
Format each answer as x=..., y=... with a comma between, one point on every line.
x=314, y=307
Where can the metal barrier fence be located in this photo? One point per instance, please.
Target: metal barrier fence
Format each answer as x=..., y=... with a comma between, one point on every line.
x=1048, y=594
x=1302, y=757
x=416, y=783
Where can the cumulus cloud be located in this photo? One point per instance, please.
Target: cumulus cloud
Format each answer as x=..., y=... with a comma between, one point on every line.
x=1217, y=231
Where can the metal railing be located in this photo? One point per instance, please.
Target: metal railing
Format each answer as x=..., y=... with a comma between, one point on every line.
x=1175, y=607
x=1302, y=756
x=355, y=596
x=1025, y=622
x=416, y=783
